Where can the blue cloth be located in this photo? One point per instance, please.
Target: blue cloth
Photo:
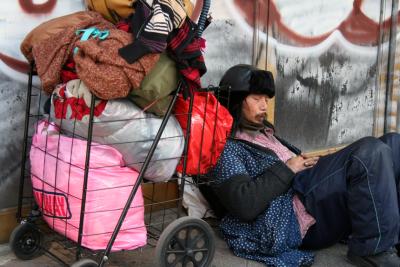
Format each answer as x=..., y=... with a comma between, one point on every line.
x=353, y=193
x=239, y=158
x=92, y=32
x=274, y=237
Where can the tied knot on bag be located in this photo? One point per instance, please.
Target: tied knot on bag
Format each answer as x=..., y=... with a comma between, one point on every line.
x=92, y=32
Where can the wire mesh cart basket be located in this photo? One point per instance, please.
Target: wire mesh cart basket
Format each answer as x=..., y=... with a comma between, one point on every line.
x=76, y=188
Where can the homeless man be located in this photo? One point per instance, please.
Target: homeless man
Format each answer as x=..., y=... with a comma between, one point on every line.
x=276, y=199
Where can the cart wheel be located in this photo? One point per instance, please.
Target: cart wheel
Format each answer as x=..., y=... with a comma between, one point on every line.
x=85, y=263
x=26, y=241
x=185, y=242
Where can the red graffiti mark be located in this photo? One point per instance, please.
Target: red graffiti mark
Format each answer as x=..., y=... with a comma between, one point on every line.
x=247, y=11
x=356, y=28
x=15, y=64
x=29, y=7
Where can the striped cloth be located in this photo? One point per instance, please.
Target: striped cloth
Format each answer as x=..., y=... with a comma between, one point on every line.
x=185, y=48
x=151, y=27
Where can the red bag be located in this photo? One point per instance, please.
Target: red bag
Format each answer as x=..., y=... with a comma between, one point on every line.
x=210, y=126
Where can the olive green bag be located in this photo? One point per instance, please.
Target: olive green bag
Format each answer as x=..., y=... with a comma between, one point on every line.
x=156, y=87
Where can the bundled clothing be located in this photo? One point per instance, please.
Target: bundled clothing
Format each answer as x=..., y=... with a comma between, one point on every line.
x=151, y=27
x=51, y=52
x=155, y=89
x=166, y=26
x=185, y=47
x=116, y=62
x=104, y=72
x=47, y=31
x=61, y=55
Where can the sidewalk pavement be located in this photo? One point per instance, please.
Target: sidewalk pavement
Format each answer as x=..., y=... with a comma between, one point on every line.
x=334, y=256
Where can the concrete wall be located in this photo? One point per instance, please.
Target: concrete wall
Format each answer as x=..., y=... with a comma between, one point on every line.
x=325, y=58
x=324, y=54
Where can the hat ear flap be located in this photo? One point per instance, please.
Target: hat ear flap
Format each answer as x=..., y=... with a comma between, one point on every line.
x=262, y=82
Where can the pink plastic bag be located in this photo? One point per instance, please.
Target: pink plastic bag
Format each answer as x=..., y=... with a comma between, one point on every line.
x=57, y=181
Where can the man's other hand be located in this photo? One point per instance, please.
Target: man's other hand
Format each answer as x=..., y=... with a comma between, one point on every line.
x=299, y=163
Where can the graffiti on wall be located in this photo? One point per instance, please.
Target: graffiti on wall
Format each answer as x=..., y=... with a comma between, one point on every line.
x=17, y=18
x=325, y=55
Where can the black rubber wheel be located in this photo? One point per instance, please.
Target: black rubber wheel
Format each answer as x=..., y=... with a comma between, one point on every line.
x=186, y=242
x=26, y=241
x=85, y=263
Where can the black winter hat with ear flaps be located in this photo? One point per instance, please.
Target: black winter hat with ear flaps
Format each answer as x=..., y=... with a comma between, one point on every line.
x=241, y=80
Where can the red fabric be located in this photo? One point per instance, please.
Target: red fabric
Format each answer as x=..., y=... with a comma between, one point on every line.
x=181, y=36
x=210, y=126
x=185, y=48
x=266, y=138
x=77, y=106
x=123, y=26
x=68, y=71
x=67, y=75
x=303, y=217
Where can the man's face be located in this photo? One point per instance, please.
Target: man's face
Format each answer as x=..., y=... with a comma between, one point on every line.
x=254, y=108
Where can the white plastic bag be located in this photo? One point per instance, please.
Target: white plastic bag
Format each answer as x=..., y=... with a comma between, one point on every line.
x=122, y=125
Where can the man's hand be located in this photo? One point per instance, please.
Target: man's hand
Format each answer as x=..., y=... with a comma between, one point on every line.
x=299, y=163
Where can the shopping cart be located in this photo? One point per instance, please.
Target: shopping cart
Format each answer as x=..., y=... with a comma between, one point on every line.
x=178, y=241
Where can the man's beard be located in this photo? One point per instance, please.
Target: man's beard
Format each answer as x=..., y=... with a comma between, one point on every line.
x=244, y=123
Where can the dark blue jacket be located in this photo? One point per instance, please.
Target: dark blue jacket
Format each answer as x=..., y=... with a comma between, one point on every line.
x=248, y=175
x=253, y=184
